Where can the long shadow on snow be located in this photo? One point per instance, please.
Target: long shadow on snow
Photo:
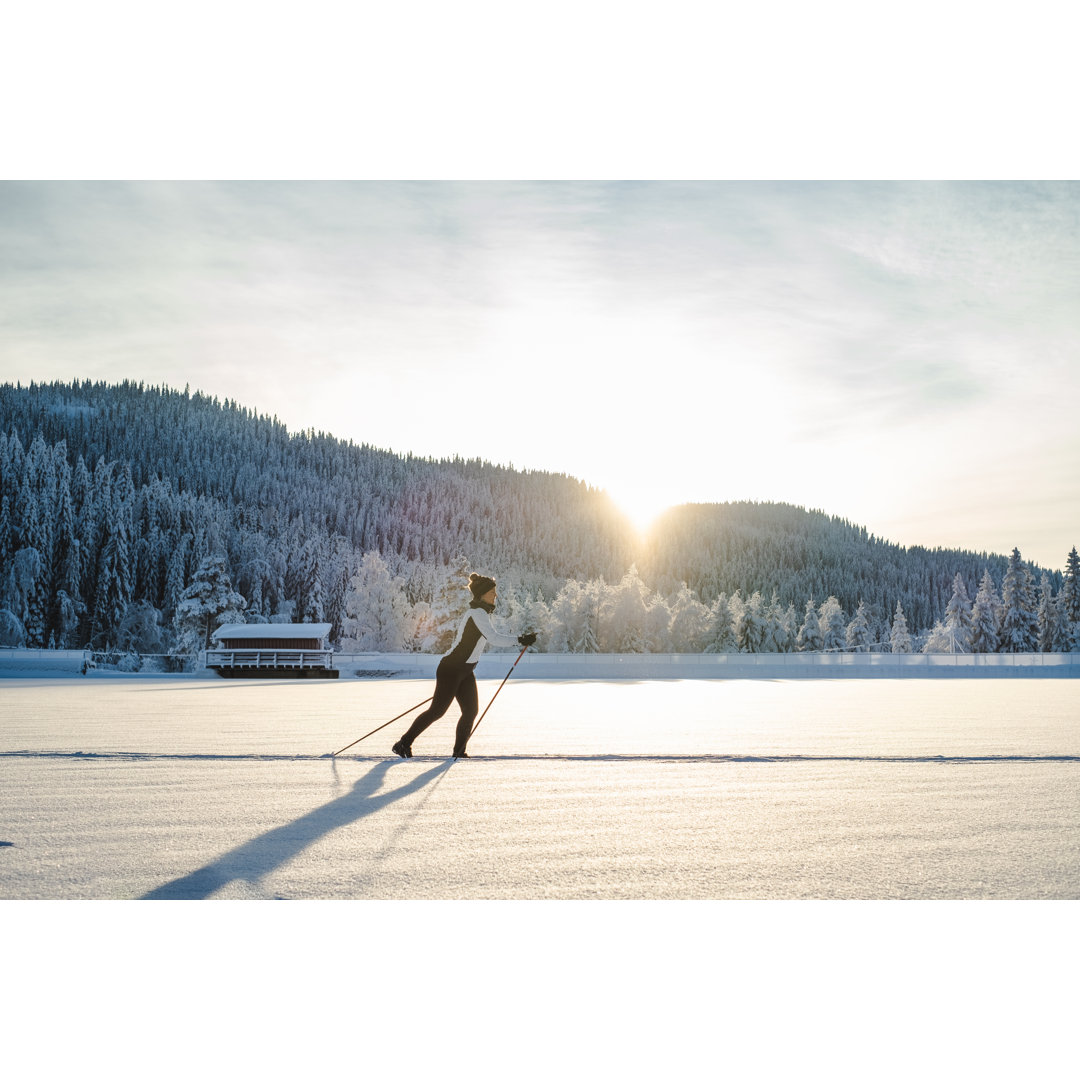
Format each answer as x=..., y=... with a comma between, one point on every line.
x=259, y=856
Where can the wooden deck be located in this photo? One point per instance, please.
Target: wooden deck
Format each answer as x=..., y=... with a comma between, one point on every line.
x=272, y=663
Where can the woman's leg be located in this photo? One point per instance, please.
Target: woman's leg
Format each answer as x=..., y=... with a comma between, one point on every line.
x=446, y=684
x=470, y=706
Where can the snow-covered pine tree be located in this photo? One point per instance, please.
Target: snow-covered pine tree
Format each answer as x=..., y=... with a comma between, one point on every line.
x=719, y=633
x=66, y=569
x=67, y=610
x=176, y=574
x=18, y=584
x=1069, y=605
x=207, y=603
x=1046, y=616
x=1019, y=617
x=12, y=631
x=833, y=625
x=939, y=640
x=568, y=617
x=140, y=629
x=750, y=625
x=538, y=619
x=857, y=634
x=376, y=611
x=32, y=515
x=6, y=531
x=753, y=622
x=656, y=627
x=513, y=610
x=776, y=628
x=338, y=578
x=309, y=596
x=810, y=637
x=689, y=617
x=900, y=637
x=985, y=617
x=958, y=617
x=624, y=615
x=790, y=626
x=589, y=642
x=115, y=579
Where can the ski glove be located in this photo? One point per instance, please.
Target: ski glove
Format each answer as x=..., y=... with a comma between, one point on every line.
x=527, y=639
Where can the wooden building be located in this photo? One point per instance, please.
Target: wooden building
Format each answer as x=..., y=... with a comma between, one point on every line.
x=272, y=650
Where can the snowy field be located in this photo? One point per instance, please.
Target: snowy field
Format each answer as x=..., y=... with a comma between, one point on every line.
x=197, y=788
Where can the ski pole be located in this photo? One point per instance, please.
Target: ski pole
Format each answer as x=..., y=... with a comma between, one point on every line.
x=381, y=726
x=496, y=694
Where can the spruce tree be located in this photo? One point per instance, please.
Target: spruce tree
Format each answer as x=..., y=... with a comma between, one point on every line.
x=114, y=581
x=66, y=568
x=750, y=626
x=309, y=601
x=6, y=531
x=719, y=635
x=939, y=640
x=985, y=617
x=810, y=636
x=958, y=617
x=1019, y=617
x=589, y=642
x=899, y=636
x=624, y=615
x=857, y=635
x=833, y=625
x=12, y=631
x=1069, y=605
x=778, y=626
x=689, y=618
x=207, y=603
x=1046, y=617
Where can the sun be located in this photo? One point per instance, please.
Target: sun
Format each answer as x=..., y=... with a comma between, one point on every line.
x=640, y=505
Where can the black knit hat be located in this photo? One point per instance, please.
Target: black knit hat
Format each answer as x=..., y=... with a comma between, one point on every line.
x=480, y=585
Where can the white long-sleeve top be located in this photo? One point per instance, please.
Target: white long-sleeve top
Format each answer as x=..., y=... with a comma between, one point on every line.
x=474, y=633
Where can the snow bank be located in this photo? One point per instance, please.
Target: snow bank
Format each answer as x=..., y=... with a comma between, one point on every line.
x=728, y=665
x=20, y=663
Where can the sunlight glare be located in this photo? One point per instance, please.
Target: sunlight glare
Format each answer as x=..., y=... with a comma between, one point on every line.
x=640, y=505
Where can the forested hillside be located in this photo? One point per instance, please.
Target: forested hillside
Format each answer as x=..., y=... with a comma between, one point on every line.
x=126, y=508
x=798, y=555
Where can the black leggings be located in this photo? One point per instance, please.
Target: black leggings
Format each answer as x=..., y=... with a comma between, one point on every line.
x=451, y=681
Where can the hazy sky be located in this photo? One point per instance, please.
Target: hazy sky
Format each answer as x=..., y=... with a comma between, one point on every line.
x=905, y=355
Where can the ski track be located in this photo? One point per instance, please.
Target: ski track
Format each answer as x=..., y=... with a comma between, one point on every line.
x=741, y=759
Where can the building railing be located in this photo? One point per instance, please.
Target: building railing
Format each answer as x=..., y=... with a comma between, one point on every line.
x=297, y=659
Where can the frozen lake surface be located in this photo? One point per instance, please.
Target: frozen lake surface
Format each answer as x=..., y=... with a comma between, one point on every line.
x=181, y=788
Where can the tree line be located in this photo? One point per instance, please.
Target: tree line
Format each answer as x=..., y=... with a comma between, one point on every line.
x=128, y=512
x=629, y=617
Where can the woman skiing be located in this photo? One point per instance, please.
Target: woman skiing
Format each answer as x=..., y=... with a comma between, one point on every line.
x=454, y=678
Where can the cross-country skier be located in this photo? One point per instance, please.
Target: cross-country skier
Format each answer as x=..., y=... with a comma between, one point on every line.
x=454, y=678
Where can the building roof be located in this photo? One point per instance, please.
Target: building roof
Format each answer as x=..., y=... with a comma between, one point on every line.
x=272, y=631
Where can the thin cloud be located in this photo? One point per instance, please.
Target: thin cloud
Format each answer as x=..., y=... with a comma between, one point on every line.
x=673, y=325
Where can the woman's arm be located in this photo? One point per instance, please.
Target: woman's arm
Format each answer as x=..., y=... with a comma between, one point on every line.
x=485, y=626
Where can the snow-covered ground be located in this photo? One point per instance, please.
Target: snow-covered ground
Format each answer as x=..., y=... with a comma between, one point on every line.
x=174, y=787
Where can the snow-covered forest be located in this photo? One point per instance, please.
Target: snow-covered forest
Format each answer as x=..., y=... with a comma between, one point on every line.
x=137, y=518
